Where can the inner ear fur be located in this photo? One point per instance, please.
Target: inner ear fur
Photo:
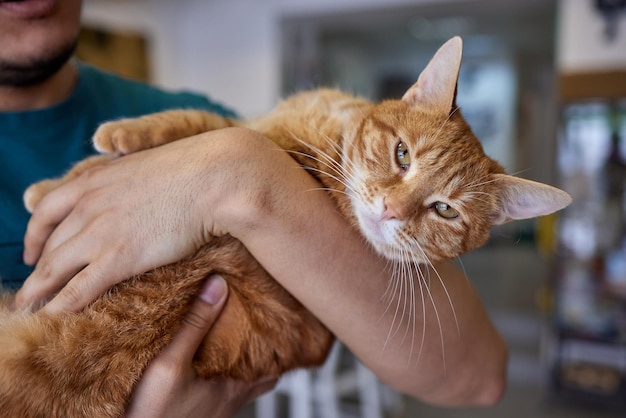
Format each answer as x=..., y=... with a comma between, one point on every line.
x=523, y=199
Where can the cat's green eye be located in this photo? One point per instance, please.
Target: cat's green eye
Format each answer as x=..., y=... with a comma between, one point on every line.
x=446, y=211
x=402, y=156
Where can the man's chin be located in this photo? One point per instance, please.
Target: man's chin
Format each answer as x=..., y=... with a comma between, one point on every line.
x=34, y=71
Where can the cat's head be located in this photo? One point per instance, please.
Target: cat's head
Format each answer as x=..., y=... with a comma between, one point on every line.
x=420, y=184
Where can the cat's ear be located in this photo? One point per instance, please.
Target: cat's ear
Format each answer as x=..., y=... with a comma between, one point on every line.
x=436, y=86
x=523, y=199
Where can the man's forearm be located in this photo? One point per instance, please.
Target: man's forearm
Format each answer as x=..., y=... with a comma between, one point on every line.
x=426, y=336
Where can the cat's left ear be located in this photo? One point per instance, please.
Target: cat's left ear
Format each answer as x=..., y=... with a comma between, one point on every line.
x=523, y=199
x=435, y=88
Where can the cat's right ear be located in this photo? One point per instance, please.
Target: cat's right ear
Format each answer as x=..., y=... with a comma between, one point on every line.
x=523, y=199
x=435, y=88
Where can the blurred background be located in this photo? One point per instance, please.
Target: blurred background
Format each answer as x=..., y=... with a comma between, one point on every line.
x=543, y=85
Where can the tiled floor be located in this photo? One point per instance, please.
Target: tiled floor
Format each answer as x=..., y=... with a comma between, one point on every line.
x=509, y=278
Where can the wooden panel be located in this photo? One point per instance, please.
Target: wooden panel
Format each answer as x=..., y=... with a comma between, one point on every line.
x=593, y=85
x=122, y=53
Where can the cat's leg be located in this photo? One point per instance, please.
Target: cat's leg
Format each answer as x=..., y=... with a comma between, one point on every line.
x=262, y=331
x=35, y=192
x=134, y=134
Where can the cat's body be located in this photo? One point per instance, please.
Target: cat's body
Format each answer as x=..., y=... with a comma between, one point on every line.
x=408, y=172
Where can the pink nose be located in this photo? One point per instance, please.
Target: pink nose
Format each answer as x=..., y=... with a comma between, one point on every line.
x=393, y=209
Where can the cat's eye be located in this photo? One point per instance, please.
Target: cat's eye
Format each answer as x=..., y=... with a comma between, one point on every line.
x=402, y=156
x=445, y=211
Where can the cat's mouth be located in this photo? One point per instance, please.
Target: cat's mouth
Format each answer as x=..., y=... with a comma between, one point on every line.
x=383, y=235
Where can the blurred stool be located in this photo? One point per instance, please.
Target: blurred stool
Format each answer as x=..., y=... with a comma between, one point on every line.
x=319, y=393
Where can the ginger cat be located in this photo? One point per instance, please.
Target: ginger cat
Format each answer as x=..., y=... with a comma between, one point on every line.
x=409, y=174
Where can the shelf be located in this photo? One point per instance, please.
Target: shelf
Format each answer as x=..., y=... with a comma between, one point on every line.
x=592, y=85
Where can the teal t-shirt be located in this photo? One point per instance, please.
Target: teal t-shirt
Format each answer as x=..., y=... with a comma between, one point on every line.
x=40, y=144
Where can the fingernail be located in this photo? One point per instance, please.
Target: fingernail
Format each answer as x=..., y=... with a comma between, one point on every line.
x=214, y=290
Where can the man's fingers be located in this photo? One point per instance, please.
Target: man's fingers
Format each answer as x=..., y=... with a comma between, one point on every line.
x=48, y=213
x=48, y=277
x=199, y=320
x=85, y=286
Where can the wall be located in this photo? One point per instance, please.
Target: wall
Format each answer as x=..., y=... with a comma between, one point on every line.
x=581, y=44
x=228, y=49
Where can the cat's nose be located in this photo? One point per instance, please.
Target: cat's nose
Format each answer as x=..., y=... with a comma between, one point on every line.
x=393, y=209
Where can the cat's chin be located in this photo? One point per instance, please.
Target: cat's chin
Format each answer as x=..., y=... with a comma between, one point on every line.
x=383, y=237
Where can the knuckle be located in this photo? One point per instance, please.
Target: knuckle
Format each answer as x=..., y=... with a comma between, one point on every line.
x=89, y=199
x=90, y=173
x=120, y=249
x=46, y=267
x=71, y=296
x=166, y=367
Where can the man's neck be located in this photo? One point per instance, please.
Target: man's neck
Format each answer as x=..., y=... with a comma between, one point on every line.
x=52, y=91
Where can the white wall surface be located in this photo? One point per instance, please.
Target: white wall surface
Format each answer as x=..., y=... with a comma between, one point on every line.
x=581, y=44
x=227, y=49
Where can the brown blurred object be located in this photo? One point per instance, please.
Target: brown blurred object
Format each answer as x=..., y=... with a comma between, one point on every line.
x=123, y=53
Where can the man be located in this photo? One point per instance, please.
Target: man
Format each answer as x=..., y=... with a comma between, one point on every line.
x=234, y=181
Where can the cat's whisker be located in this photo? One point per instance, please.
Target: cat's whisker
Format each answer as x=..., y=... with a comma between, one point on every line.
x=393, y=289
x=407, y=279
x=420, y=281
x=445, y=289
x=334, y=177
x=402, y=300
x=462, y=265
x=443, y=285
x=483, y=181
x=480, y=193
x=328, y=189
x=412, y=271
x=343, y=176
x=330, y=161
x=347, y=167
x=333, y=167
x=397, y=290
x=412, y=305
x=478, y=197
x=413, y=243
x=326, y=173
x=517, y=173
x=438, y=318
x=405, y=291
x=443, y=124
x=334, y=145
x=359, y=109
x=330, y=141
x=389, y=282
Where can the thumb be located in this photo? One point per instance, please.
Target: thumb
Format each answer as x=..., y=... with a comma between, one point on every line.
x=201, y=316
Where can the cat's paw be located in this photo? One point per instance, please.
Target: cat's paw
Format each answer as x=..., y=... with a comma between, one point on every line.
x=35, y=192
x=120, y=137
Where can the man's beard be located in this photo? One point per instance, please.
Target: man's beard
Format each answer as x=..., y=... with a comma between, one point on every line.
x=34, y=71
